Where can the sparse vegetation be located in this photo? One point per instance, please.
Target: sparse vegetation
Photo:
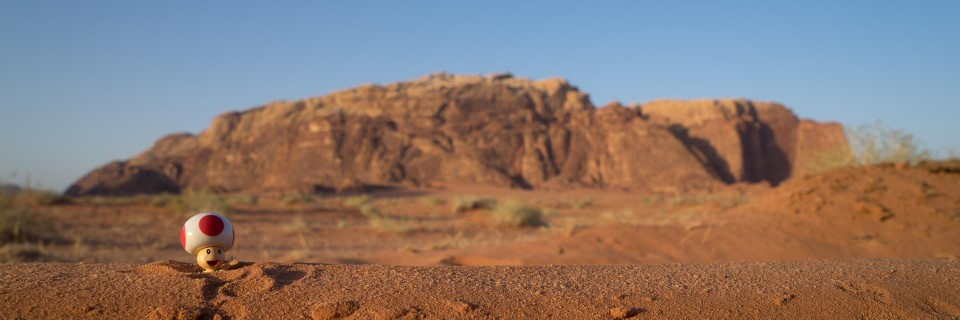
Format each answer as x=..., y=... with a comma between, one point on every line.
x=375, y=218
x=357, y=201
x=33, y=197
x=370, y=211
x=624, y=217
x=297, y=225
x=723, y=201
x=878, y=143
x=365, y=205
x=467, y=203
x=431, y=201
x=390, y=224
x=515, y=213
x=581, y=204
x=26, y=252
x=246, y=199
x=300, y=198
x=193, y=201
x=873, y=144
x=22, y=224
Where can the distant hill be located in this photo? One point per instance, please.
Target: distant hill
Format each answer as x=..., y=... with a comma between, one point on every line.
x=494, y=130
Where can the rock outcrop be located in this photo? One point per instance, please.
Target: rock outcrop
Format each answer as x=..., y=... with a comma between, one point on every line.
x=747, y=141
x=494, y=130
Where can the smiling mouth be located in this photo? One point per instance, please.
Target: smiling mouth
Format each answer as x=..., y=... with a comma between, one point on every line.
x=213, y=263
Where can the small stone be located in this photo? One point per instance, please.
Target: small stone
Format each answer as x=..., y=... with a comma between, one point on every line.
x=784, y=298
x=624, y=312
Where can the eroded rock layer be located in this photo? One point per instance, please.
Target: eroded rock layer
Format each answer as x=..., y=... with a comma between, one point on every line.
x=494, y=130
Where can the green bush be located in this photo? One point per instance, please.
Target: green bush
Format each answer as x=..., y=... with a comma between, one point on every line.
x=515, y=213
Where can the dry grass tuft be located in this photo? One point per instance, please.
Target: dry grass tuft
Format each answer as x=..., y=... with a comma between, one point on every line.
x=192, y=201
x=515, y=213
x=584, y=203
x=22, y=224
x=375, y=218
x=467, y=203
x=431, y=201
x=300, y=198
x=358, y=201
x=297, y=225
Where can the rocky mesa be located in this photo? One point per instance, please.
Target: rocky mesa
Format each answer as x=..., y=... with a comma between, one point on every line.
x=494, y=130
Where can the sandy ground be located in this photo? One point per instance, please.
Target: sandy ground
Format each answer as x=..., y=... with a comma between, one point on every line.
x=834, y=289
x=877, y=243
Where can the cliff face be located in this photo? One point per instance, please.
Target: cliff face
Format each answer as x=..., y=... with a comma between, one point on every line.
x=747, y=141
x=495, y=130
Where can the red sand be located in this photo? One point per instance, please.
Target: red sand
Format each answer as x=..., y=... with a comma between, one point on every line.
x=847, y=289
x=806, y=249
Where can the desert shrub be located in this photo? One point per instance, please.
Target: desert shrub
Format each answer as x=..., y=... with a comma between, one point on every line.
x=515, y=213
x=370, y=210
x=246, y=199
x=467, y=203
x=829, y=160
x=365, y=205
x=300, y=198
x=877, y=143
x=724, y=201
x=22, y=224
x=32, y=197
x=162, y=200
x=375, y=218
x=297, y=225
x=357, y=201
x=582, y=203
x=390, y=224
x=431, y=201
x=26, y=252
x=195, y=201
x=872, y=144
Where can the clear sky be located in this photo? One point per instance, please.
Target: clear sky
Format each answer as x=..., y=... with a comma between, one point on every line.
x=86, y=82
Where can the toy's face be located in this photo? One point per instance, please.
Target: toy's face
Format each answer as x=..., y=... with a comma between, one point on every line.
x=211, y=258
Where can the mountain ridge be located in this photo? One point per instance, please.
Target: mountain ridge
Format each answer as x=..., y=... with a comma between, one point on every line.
x=496, y=130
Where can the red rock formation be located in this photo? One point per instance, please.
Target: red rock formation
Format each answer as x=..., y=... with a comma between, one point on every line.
x=747, y=141
x=495, y=130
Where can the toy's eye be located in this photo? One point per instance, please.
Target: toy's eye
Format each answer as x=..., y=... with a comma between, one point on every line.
x=208, y=251
x=219, y=251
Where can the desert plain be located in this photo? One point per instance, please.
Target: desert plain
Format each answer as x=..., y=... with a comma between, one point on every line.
x=802, y=250
x=455, y=197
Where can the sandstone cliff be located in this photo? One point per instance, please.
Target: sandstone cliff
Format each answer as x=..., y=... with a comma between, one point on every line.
x=495, y=130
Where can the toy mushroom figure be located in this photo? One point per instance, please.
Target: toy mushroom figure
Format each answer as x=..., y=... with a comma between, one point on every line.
x=208, y=236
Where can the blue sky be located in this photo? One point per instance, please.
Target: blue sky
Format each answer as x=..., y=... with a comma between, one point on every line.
x=87, y=82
